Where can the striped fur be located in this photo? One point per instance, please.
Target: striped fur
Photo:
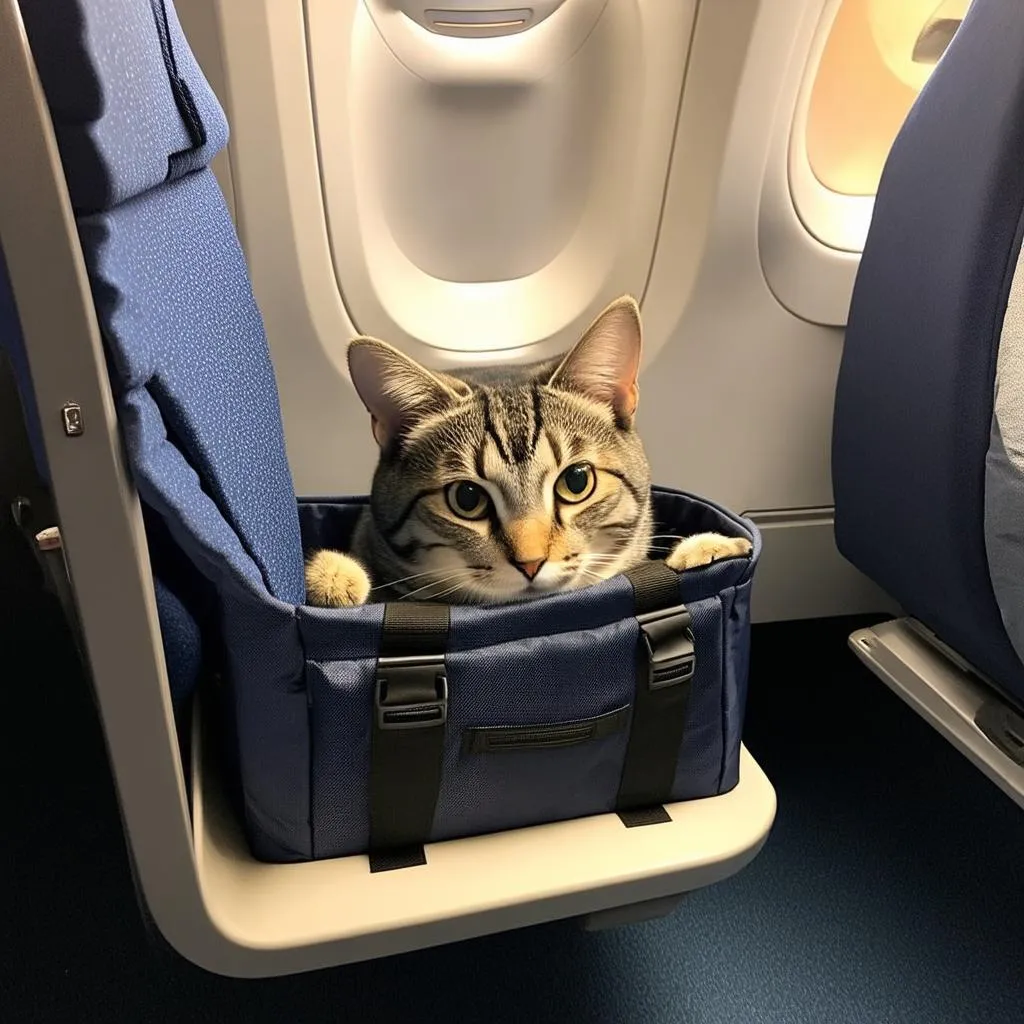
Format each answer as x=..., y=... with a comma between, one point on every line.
x=510, y=434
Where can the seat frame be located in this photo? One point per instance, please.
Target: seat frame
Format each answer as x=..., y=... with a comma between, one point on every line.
x=950, y=694
x=208, y=897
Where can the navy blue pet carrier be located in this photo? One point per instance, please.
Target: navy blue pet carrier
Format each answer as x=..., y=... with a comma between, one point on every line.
x=380, y=728
x=389, y=725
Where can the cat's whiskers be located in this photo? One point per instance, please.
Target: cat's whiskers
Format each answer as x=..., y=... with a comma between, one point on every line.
x=450, y=590
x=475, y=572
x=605, y=566
x=464, y=574
x=603, y=559
x=414, y=576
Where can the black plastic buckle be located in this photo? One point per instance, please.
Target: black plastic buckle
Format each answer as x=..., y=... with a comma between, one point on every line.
x=669, y=639
x=411, y=692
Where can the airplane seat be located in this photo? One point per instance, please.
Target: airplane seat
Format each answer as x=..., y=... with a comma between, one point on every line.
x=199, y=407
x=158, y=346
x=928, y=437
x=177, y=588
x=182, y=597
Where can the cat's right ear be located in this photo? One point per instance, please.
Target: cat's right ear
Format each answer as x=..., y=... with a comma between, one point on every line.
x=395, y=389
x=603, y=365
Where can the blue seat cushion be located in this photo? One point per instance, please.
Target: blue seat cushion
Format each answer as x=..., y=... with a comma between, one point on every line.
x=116, y=96
x=914, y=398
x=172, y=292
x=187, y=608
x=137, y=124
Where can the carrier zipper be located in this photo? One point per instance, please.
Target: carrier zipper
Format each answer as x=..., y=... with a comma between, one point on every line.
x=495, y=738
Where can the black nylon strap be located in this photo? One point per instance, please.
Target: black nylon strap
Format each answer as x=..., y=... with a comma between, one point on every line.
x=663, y=671
x=655, y=586
x=407, y=739
x=656, y=815
x=415, y=628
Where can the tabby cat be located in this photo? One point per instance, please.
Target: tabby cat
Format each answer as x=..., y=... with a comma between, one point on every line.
x=499, y=487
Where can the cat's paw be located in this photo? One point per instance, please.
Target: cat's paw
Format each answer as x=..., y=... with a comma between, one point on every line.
x=704, y=548
x=335, y=580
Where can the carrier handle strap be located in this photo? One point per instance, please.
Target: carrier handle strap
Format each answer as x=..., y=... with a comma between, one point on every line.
x=665, y=663
x=410, y=708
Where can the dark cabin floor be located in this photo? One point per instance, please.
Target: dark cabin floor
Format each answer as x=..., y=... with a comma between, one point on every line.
x=891, y=889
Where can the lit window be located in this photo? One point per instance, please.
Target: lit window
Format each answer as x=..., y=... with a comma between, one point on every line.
x=878, y=56
x=872, y=64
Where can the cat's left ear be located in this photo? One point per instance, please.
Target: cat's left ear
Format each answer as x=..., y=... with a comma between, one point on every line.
x=603, y=365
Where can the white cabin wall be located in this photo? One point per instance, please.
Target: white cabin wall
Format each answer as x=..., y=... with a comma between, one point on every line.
x=736, y=388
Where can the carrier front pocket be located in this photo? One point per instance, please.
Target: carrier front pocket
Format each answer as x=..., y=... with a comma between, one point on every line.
x=492, y=738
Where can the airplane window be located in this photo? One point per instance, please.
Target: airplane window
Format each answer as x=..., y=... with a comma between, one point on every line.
x=876, y=59
x=865, y=64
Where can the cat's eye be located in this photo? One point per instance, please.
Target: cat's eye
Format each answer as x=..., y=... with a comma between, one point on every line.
x=576, y=483
x=467, y=500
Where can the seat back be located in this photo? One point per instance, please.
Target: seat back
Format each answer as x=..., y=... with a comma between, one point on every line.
x=136, y=126
x=914, y=429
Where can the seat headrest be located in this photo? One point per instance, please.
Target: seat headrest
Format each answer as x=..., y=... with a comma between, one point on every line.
x=130, y=106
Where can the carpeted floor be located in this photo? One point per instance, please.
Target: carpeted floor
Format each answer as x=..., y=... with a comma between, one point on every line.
x=891, y=889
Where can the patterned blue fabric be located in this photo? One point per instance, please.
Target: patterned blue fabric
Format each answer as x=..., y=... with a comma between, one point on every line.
x=183, y=642
x=187, y=607
x=182, y=637
x=915, y=391
x=181, y=324
x=190, y=368
x=110, y=97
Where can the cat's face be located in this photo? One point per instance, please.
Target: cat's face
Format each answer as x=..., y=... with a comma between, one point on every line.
x=494, y=492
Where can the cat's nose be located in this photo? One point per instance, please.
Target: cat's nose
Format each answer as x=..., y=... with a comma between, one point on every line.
x=530, y=569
